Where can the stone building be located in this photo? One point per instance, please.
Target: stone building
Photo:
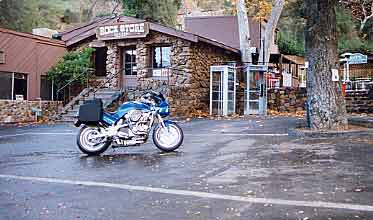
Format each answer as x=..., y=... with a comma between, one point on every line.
x=134, y=55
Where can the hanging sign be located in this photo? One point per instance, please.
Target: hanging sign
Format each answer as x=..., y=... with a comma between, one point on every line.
x=122, y=31
x=259, y=68
x=335, y=75
x=287, y=79
x=358, y=58
x=19, y=98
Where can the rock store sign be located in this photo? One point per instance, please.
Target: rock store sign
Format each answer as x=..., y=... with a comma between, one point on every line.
x=122, y=31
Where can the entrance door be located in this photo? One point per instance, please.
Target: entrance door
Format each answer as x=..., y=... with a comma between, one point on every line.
x=129, y=68
x=222, y=90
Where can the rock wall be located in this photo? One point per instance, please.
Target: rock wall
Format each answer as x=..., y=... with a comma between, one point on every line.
x=22, y=111
x=113, y=63
x=292, y=100
x=203, y=57
x=359, y=102
x=287, y=100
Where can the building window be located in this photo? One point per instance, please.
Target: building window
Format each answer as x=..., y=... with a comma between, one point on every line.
x=161, y=57
x=20, y=86
x=13, y=85
x=129, y=61
x=100, y=57
x=45, y=88
x=6, y=85
x=2, y=57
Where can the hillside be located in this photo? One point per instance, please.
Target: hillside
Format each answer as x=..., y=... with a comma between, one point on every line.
x=24, y=15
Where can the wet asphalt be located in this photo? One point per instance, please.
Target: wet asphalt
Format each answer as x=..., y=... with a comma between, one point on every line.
x=249, y=157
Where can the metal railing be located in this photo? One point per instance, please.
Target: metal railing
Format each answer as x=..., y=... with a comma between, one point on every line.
x=69, y=83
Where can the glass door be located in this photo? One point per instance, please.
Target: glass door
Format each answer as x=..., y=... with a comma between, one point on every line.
x=222, y=90
x=216, y=95
x=252, y=93
x=231, y=89
x=129, y=68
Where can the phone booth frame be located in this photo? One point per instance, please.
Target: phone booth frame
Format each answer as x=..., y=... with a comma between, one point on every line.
x=223, y=90
x=256, y=90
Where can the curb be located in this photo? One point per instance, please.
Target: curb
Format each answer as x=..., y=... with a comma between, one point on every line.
x=294, y=132
x=363, y=122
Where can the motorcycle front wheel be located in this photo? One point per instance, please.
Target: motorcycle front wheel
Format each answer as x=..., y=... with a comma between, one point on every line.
x=89, y=144
x=169, y=138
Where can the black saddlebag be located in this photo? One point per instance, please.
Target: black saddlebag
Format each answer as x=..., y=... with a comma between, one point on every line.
x=91, y=111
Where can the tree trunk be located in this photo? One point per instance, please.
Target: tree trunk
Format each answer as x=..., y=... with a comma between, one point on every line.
x=327, y=107
x=244, y=31
x=271, y=25
x=81, y=10
x=90, y=10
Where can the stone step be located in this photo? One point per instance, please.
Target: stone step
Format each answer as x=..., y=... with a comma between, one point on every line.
x=72, y=111
x=105, y=94
x=65, y=118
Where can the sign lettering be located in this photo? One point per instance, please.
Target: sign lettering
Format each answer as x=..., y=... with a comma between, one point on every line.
x=358, y=58
x=122, y=31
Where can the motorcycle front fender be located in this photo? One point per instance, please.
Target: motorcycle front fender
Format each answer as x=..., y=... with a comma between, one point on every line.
x=167, y=123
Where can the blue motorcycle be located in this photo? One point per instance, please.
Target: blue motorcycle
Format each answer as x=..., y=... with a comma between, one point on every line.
x=130, y=125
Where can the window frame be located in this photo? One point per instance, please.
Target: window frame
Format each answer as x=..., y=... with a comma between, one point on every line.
x=154, y=48
x=132, y=63
x=2, y=57
x=18, y=76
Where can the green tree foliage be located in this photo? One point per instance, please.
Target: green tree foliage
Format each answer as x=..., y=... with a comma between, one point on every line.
x=24, y=15
x=160, y=11
x=289, y=44
x=291, y=36
x=74, y=65
x=348, y=34
x=14, y=15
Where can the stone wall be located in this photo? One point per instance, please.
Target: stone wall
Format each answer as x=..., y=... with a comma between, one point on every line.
x=21, y=111
x=290, y=100
x=203, y=57
x=359, y=102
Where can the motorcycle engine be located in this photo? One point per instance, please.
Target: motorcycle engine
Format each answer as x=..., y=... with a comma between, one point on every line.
x=139, y=120
x=135, y=115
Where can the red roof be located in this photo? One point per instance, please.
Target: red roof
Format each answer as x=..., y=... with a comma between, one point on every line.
x=78, y=34
x=223, y=29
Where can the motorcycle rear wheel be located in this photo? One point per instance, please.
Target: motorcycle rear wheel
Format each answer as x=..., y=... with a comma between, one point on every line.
x=168, y=139
x=87, y=144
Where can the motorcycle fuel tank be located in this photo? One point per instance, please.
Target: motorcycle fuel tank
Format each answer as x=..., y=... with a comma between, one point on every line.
x=124, y=109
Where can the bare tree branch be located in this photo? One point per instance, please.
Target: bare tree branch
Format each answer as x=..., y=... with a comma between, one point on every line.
x=363, y=7
x=270, y=30
x=90, y=10
x=244, y=31
x=115, y=8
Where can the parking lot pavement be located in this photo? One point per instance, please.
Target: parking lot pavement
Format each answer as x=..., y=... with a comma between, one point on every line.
x=226, y=169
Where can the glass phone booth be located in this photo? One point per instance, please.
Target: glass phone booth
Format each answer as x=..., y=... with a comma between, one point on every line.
x=256, y=90
x=222, y=90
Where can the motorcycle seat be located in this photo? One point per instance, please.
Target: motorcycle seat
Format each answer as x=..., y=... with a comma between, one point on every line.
x=111, y=113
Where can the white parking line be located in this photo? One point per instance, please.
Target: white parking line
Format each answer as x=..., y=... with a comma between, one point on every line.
x=35, y=133
x=239, y=134
x=189, y=135
x=312, y=204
